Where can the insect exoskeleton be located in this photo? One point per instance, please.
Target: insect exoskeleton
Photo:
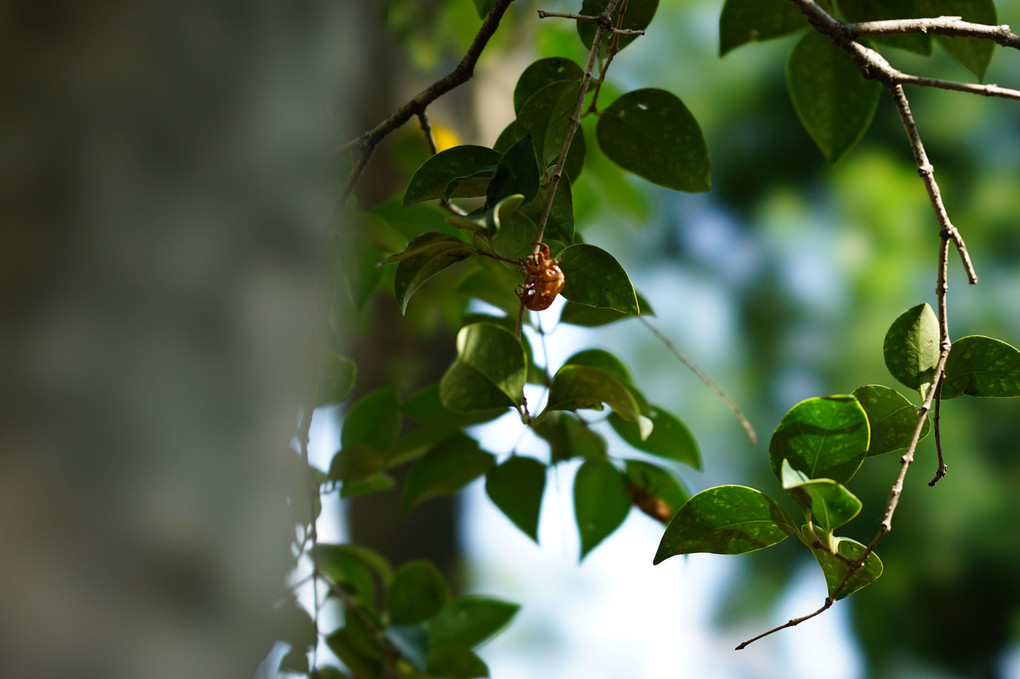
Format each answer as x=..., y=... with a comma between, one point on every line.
x=543, y=279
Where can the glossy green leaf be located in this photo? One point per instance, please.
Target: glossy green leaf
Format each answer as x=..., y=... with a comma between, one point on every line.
x=429, y=181
x=594, y=278
x=639, y=14
x=516, y=487
x=878, y=10
x=516, y=173
x=603, y=360
x=471, y=185
x=425, y=256
x=601, y=502
x=831, y=504
x=725, y=520
x=577, y=386
x=825, y=438
x=670, y=437
x=445, y=468
x=590, y=317
x=560, y=225
x=427, y=409
x=345, y=646
x=416, y=593
x=468, y=621
x=744, y=21
x=651, y=133
x=651, y=482
x=891, y=417
x=337, y=375
x=911, y=347
x=516, y=237
x=834, y=102
x=455, y=662
x=972, y=53
x=982, y=366
x=545, y=116
x=568, y=437
x=836, y=568
x=541, y=73
x=489, y=372
x=373, y=421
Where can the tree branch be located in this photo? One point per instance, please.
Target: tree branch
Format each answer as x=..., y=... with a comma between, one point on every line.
x=945, y=25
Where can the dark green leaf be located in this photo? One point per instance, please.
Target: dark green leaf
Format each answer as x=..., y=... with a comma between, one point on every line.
x=375, y=483
x=546, y=116
x=470, y=186
x=489, y=372
x=744, y=21
x=833, y=101
x=356, y=463
x=831, y=504
x=426, y=408
x=455, y=662
x=655, y=490
x=337, y=375
x=350, y=571
x=430, y=180
x=725, y=520
x=568, y=437
x=639, y=15
x=483, y=7
x=515, y=238
x=651, y=133
x=416, y=593
x=878, y=10
x=594, y=278
x=468, y=621
x=410, y=642
x=413, y=219
x=891, y=417
x=373, y=421
x=835, y=568
x=506, y=138
x=327, y=672
x=541, y=73
x=972, y=53
x=670, y=437
x=982, y=366
x=911, y=347
x=516, y=487
x=425, y=256
x=561, y=216
x=345, y=645
x=446, y=468
x=822, y=437
x=601, y=502
x=516, y=173
x=577, y=386
x=583, y=315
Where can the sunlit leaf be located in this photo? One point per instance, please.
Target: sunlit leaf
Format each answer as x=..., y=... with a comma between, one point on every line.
x=584, y=315
x=516, y=487
x=489, y=372
x=468, y=621
x=891, y=417
x=982, y=366
x=416, y=593
x=568, y=437
x=825, y=438
x=601, y=502
x=651, y=133
x=744, y=21
x=425, y=256
x=725, y=520
x=576, y=387
x=639, y=14
x=670, y=437
x=836, y=568
x=429, y=181
x=834, y=102
x=831, y=504
x=911, y=347
x=446, y=468
x=595, y=278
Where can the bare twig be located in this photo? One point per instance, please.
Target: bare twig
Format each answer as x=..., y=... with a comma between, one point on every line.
x=945, y=25
x=941, y=470
x=789, y=623
x=745, y=423
x=543, y=14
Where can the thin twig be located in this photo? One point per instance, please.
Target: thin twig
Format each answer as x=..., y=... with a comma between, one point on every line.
x=945, y=25
x=789, y=623
x=703, y=377
x=543, y=14
x=941, y=470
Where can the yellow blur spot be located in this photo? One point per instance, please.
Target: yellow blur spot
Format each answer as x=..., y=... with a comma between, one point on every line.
x=445, y=137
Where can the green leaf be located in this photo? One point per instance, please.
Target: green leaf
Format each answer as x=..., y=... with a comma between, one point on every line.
x=545, y=116
x=468, y=621
x=425, y=256
x=516, y=487
x=744, y=21
x=651, y=133
x=578, y=386
x=515, y=238
x=972, y=53
x=601, y=502
x=469, y=186
x=725, y=520
x=590, y=317
x=835, y=569
x=489, y=372
x=426, y=408
x=834, y=102
x=455, y=662
x=877, y=10
x=982, y=366
x=410, y=642
x=373, y=483
x=831, y=504
x=569, y=437
x=911, y=347
x=822, y=437
x=639, y=15
x=416, y=593
x=345, y=644
x=337, y=375
x=603, y=360
x=327, y=672
x=356, y=463
x=351, y=570
x=561, y=216
x=651, y=483
x=541, y=73
x=595, y=278
x=670, y=437
x=516, y=173
x=373, y=421
x=483, y=7
x=444, y=469
x=430, y=179
x=891, y=417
